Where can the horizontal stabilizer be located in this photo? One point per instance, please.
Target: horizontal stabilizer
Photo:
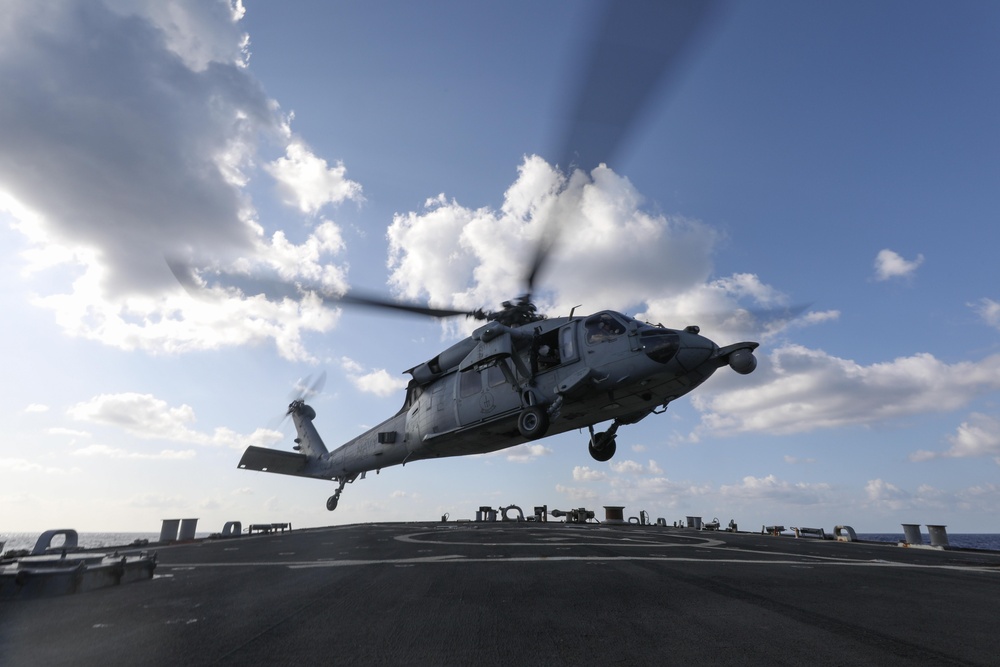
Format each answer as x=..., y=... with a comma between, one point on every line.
x=274, y=460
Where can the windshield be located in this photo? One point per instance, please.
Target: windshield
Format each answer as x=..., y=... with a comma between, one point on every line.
x=603, y=327
x=660, y=344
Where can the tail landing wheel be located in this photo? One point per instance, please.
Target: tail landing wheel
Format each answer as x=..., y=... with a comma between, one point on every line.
x=331, y=502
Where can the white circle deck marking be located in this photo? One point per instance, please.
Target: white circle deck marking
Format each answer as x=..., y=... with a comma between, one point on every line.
x=647, y=540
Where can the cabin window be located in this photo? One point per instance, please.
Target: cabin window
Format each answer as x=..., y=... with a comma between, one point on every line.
x=470, y=383
x=567, y=343
x=603, y=327
x=545, y=351
x=494, y=376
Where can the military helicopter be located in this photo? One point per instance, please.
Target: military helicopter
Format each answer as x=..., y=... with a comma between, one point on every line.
x=519, y=377
x=522, y=376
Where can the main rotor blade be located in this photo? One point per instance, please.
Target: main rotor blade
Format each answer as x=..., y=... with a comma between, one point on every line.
x=281, y=289
x=355, y=298
x=639, y=47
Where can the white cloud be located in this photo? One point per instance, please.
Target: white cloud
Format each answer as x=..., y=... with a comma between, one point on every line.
x=803, y=390
x=36, y=408
x=885, y=495
x=934, y=504
x=576, y=493
x=655, y=489
x=629, y=467
x=308, y=182
x=889, y=264
x=58, y=430
x=158, y=501
x=118, y=453
x=200, y=33
x=527, y=452
x=152, y=159
x=378, y=382
x=20, y=465
x=148, y=417
x=989, y=311
x=771, y=488
x=587, y=474
x=978, y=436
x=480, y=255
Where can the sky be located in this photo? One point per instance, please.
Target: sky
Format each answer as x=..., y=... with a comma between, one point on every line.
x=841, y=160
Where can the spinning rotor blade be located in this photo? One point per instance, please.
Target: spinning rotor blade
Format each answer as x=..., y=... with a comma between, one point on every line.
x=638, y=48
x=306, y=388
x=303, y=389
x=355, y=298
x=280, y=289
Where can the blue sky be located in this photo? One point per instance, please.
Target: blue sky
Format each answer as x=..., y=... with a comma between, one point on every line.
x=844, y=155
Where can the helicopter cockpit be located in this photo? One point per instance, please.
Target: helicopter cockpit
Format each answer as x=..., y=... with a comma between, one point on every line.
x=604, y=327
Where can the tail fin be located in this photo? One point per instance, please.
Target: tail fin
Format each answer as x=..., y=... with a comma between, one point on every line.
x=308, y=441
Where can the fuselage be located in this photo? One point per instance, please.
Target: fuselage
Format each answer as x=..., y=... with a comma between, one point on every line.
x=587, y=370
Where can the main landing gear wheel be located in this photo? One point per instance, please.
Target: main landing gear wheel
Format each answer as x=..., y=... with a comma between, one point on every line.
x=533, y=422
x=602, y=447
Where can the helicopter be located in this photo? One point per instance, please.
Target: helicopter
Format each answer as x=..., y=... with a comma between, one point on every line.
x=521, y=376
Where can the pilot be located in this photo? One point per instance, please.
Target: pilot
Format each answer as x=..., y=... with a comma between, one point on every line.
x=605, y=330
x=547, y=356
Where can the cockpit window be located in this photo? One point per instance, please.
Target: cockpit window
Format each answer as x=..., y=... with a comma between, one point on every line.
x=660, y=344
x=603, y=327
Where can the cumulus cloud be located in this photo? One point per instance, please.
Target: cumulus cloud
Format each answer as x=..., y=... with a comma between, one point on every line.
x=886, y=495
x=20, y=465
x=651, y=487
x=587, y=474
x=527, y=452
x=771, y=488
x=629, y=467
x=605, y=232
x=133, y=130
x=576, y=493
x=308, y=182
x=118, y=453
x=147, y=417
x=890, y=264
x=803, y=390
x=978, y=436
x=58, y=430
x=378, y=382
x=989, y=311
x=36, y=408
x=465, y=257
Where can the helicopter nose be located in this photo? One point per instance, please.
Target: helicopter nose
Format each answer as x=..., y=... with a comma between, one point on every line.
x=694, y=350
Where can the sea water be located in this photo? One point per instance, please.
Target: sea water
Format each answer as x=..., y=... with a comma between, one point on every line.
x=989, y=541
x=85, y=540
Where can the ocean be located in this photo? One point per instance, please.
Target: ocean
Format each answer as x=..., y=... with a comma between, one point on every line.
x=989, y=541
x=27, y=541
